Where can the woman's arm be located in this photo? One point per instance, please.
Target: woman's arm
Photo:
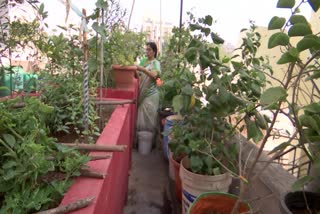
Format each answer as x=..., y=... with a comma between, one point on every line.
x=151, y=73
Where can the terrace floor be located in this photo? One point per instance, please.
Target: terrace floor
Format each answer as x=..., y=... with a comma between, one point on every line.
x=151, y=191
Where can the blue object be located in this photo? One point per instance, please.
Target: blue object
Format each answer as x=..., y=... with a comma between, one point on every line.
x=170, y=120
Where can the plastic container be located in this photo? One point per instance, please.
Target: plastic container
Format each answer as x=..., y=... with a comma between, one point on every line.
x=195, y=184
x=17, y=78
x=176, y=177
x=5, y=86
x=30, y=82
x=145, y=139
x=170, y=120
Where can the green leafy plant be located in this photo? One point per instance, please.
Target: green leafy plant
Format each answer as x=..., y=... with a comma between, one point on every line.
x=27, y=183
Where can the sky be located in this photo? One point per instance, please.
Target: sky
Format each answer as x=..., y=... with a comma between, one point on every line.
x=230, y=15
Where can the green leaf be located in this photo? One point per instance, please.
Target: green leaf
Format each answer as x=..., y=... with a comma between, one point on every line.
x=278, y=38
x=309, y=122
x=216, y=171
x=191, y=54
x=309, y=41
x=254, y=132
x=187, y=90
x=9, y=139
x=315, y=75
x=273, y=95
x=216, y=39
x=208, y=20
x=286, y=3
x=295, y=19
x=102, y=4
x=276, y=23
x=312, y=108
x=194, y=27
x=196, y=163
x=315, y=4
x=280, y=147
x=301, y=182
x=286, y=58
x=177, y=103
x=294, y=52
x=299, y=29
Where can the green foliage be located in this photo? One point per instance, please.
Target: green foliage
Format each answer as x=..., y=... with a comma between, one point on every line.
x=25, y=148
x=65, y=93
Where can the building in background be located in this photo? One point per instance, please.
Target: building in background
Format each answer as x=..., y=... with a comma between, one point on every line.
x=156, y=31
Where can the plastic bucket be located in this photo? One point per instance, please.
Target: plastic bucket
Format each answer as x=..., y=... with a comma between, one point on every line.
x=195, y=184
x=145, y=142
x=170, y=120
x=217, y=202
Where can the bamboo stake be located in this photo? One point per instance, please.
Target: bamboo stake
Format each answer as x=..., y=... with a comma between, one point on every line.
x=92, y=158
x=73, y=206
x=94, y=147
x=114, y=102
x=99, y=157
x=92, y=174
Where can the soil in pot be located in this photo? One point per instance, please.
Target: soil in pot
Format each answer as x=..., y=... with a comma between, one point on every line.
x=216, y=203
x=295, y=203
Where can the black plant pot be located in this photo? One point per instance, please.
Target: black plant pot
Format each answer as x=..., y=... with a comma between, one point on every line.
x=296, y=202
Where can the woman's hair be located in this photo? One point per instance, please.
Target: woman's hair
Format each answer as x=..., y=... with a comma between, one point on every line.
x=154, y=48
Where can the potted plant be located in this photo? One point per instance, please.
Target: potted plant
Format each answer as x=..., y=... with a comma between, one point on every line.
x=234, y=91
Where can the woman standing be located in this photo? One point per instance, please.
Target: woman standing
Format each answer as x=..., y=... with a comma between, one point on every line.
x=149, y=70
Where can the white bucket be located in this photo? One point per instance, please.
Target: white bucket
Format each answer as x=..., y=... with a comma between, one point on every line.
x=145, y=142
x=195, y=184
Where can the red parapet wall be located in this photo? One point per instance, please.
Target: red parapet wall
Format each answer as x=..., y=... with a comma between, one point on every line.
x=111, y=192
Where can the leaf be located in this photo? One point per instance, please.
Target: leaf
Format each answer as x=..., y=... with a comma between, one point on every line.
x=286, y=3
x=312, y=108
x=254, y=132
x=208, y=20
x=280, y=147
x=315, y=4
x=216, y=171
x=299, y=29
x=309, y=122
x=196, y=163
x=9, y=139
x=278, y=38
x=177, y=103
x=299, y=184
x=191, y=54
x=273, y=95
x=315, y=75
x=216, y=39
x=102, y=4
x=309, y=41
x=286, y=58
x=194, y=27
x=295, y=19
x=187, y=90
x=276, y=23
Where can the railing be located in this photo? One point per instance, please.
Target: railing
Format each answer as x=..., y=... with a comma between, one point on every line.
x=295, y=161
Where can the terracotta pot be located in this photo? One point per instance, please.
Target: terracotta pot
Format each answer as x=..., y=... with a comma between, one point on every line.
x=124, y=76
x=216, y=202
x=177, y=179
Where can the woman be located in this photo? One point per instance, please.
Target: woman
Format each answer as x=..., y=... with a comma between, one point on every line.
x=149, y=69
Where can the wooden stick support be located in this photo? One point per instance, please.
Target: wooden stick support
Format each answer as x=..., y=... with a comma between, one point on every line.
x=115, y=102
x=92, y=174
x=94, y=147
x=76, y=205
x=99, y=157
